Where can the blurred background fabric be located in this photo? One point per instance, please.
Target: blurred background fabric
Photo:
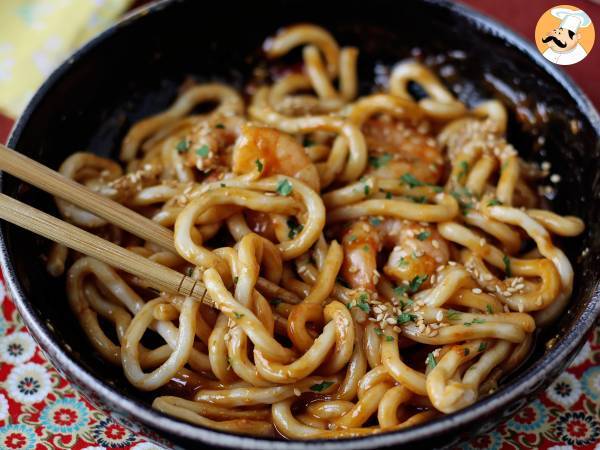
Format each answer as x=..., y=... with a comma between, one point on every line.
x=37, y=35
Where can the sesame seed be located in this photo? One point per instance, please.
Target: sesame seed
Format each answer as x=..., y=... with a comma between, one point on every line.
x=476, y=291
x=555, y=178
x=439, y=316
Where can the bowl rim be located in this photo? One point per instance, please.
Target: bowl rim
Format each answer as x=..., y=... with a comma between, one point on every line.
x=524, y=383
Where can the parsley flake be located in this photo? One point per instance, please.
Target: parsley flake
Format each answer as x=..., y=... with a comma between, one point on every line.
x=453, y=314
x=507, y=268
x=375, y=221
x=378, y=331
x=410, y=179
x=321, y=386
x=294, y=227
x=380, y=161
x=494, y=202
x=389, y=338
x=416, y=282
x=482, y=346
x=182, y=146
x=238, y=315
x=489, y=309
x=423, y=235
x=220, y=125
x=405, y=318
x=203, y=151
x=284, y=187
x=464, y=169
x=431, y=362
x=259, y=165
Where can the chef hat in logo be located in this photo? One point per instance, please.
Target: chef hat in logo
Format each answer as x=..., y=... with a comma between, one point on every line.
x=571, y=19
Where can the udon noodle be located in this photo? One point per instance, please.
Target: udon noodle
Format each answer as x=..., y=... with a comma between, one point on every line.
x=371, y=261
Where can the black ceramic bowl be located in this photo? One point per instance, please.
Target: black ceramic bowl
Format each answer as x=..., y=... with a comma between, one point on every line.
x=134, y=69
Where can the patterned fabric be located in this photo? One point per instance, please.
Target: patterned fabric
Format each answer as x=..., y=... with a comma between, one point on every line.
x=40, y=410
x=35, y=37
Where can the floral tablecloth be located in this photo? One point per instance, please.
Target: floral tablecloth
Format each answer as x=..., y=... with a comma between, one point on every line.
x=40, y=410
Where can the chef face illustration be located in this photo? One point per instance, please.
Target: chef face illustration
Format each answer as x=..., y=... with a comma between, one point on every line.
x=563, y=41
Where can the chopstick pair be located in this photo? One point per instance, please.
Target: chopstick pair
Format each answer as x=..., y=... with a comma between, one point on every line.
x=158, y=276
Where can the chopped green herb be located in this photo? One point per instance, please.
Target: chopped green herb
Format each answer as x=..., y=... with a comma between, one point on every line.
x=203, y=151
x=375, y=221
x=402, y=262
x=464, y=169
x=404, y=304
x=352, y=238
x=474, y=321
x=366, y=248
x=223, y=185
x=259, y=165
x=423, y=235
x=182, y=146
x=275, y=302
x=235, y=280
x=294, y=227
x=220, y=125
x=367, y=190
x=405, y=318
x=362, y=303
x=482, y=347
x=453, y=314
x=322, y=386
x=378, y=331
x=410, y=179
x=238, y=315
x=507, y=268
x=380, y=161
x=388, y=195
x=431, y=362
x=416, y=282
x=389, y=338
x=284, y=187
x=420, y=199
x=494, y=202
x=489, y=309
x=466, y=351
x=400, y=291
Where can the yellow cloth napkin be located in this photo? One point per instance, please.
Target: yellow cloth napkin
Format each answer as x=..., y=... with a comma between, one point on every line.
x=37, y=35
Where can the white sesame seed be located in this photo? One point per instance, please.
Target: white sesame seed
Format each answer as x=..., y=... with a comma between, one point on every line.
x=555, y=178
x=476, y=291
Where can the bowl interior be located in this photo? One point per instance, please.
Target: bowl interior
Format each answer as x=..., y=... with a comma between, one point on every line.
x=136, y=68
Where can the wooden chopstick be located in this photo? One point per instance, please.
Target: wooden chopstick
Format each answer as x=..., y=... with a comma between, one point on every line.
x=48, y=180
x=158, y=276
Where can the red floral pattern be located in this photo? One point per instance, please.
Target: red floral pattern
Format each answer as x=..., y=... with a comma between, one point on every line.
x=40, y=410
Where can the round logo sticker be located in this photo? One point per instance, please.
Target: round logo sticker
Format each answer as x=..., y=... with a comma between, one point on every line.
x=564, y=35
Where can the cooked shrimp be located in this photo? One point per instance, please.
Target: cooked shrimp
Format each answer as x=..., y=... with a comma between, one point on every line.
x=416, y=249
x=273, y=152
x=397, y=147
x=208, y=144
x=360, y=243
